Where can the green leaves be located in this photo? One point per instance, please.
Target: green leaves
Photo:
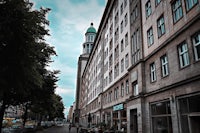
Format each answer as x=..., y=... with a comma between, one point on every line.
x=24, y=54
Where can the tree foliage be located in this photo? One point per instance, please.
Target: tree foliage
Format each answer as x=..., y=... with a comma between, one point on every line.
x=24, y=55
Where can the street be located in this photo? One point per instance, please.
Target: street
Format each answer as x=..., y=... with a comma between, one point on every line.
x=62, y=129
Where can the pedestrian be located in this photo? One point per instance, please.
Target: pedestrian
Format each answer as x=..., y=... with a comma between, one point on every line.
x=69, y=127
x=77, y=127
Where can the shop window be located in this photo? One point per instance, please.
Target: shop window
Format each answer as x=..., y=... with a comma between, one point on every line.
x=161, y=117
x=189, y=114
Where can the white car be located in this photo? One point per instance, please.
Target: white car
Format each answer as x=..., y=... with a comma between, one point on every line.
x=59, y=123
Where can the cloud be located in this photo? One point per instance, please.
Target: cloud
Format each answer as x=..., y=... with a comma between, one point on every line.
x=69, y=20
x=79, y=15
x=65, y=91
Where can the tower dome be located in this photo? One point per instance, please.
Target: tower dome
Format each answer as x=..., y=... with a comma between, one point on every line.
x=89, y=39
x=91, y=29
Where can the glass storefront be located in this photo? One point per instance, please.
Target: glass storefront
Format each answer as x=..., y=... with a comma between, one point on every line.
x=161, y=117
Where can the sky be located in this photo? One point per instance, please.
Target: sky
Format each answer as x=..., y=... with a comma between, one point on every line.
x=69, y=20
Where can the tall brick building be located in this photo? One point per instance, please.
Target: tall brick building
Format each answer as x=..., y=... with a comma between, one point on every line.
x=143, y=73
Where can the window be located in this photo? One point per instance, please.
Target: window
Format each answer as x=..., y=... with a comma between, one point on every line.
x=116, y=36
x=177, y=10
x=110, y=45
x=126, y=61
x=161, y=26
x=116, y=52
x=183, y=55
x=189, y=110
x=135, y=46
x=110, y=96
x=116, y=70
x=88, y=48
x=122, y=65
x=157, y=2
x=136, y=11
x=125, y=3
x=135, y=89
x=122, y=45
x=161, y=117
x=122, y=89
x=127, y=87
x=132, y=16
x=153, y=72
x=150, y=39
x=126, y=39
x=122, y=8
x=148, y=8
x=122, y=26
x=126, y=19
x=92, y=38
x=116, y=93
x=164, y=65
x=110, y=76
x=116, y=18
x=110, y=60
x=196, y=43
x=190, y=4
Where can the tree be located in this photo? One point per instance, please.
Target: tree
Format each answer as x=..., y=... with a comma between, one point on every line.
x=24, y=54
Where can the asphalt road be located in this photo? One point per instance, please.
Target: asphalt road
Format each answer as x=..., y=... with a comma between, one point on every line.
x=62, y=129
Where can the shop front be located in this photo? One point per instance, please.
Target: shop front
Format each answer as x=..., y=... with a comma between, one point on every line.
x=119, y=117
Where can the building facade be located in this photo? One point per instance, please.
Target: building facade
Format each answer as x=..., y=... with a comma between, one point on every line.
x=82, y=61
x=143, y=73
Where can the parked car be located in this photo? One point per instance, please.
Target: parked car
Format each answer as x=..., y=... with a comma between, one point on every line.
x=59, y=123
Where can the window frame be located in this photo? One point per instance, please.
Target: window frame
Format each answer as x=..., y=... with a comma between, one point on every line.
x=126, y=39
x=150, y=36
x=126, y=19
x=135, y=88
x=126, y=61
x=157, y=2
x=196, y=45
x=174, y=10
x=122, y=26
x=153, y=76
x=122, y=45
x=122, y=65
x=127, y=87
x=161, y=26
x=185, y=54
x=148, y=10
x=193, y=4
x=164, y=65
x=122, y=89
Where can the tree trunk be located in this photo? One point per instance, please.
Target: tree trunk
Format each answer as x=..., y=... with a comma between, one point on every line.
x=25, y=115
x=2, y=110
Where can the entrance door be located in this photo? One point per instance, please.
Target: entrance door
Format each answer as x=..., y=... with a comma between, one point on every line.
x=133, y=121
